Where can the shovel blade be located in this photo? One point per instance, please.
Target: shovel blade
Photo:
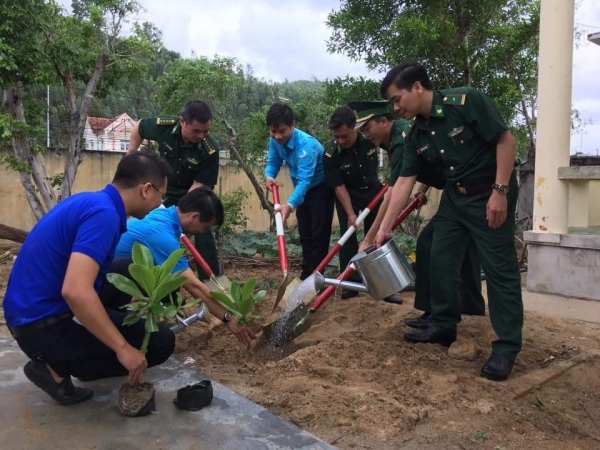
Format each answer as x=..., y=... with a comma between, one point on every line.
x=281, y=290
x=222, y=280
x=288, y=327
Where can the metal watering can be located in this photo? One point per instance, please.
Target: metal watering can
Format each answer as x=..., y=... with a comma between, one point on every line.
x=384, y=272
x=201, y=315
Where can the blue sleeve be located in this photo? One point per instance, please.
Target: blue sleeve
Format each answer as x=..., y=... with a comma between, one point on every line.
x=98, y=234
x=274, y=160
x=307, y=162
x=162, y=246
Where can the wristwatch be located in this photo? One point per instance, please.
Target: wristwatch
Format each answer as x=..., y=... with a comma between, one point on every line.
x=501, y=188
x=227, y=317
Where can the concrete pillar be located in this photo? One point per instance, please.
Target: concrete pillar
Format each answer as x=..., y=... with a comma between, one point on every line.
x=550, y=209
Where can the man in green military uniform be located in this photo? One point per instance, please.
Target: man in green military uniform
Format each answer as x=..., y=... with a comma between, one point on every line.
x=389, y=135
x=351, y=166
x=462, y=131
x=194, y=155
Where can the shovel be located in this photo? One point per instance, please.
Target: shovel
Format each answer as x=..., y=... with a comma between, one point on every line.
x=340, y=243
x=292, y=325
x=282, y=248
x=204, y=265
x=350, y=231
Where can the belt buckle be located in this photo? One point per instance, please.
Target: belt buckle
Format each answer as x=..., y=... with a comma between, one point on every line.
x=461, y=189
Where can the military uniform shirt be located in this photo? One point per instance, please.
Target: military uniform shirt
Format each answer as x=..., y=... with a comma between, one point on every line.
x=428, y=174
x=355, y=167
x=190, y=161
x=460, y=135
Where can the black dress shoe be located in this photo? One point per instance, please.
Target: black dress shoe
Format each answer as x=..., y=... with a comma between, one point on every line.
x=422, y=322
x=393, y=299
x=64, y=392
x=347, y=293
x=497, y=368
x=431, y=336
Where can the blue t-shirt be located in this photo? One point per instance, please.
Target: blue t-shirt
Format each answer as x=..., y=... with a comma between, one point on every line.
x=304, y=156
x=89, y=223
x=160, y=231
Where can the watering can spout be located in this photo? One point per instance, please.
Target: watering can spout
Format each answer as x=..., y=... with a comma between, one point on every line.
x=321, y=281
x=201, y=315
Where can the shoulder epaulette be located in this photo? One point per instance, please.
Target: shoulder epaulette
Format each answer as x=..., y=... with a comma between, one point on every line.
x=209, y=147
x=330, y=149
x=166, y=121
x=411, y=124
x=454, y=99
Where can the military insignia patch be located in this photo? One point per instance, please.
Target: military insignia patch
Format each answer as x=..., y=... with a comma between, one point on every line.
x=422, y=149
x=455, y=99
x=165, y=121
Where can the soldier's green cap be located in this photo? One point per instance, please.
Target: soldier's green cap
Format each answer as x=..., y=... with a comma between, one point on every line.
x=366, y=110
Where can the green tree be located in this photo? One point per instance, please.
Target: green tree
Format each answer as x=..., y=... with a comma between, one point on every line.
x=340, y=91
x=488, y=44
x=86, y=53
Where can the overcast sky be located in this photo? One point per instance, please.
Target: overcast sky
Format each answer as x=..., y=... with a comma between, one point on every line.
x=287, y=40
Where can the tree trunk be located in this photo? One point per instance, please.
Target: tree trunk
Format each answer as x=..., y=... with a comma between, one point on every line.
x=12, y=234
x=527, y=176
x=236, y=155
x=38, y=191
x=77, y=124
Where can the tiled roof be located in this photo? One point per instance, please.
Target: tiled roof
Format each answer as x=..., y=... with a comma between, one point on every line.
x=100, y=123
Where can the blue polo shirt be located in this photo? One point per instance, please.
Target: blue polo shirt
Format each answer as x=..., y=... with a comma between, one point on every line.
x=89, y=223
x=303, y=154
x=159, y=231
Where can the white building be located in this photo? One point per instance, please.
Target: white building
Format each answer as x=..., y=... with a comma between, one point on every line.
x=108, y=134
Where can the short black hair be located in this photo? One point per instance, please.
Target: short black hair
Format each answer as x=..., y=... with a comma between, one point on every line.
x=197, y=110
x=343, y=115
x=141, y=167
x=280, y=113
x=205, y=202
x=404, y=75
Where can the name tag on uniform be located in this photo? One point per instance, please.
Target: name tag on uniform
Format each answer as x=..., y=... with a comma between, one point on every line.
x=192, y=160
x=422, y=149
x=168, y=146
x=456, y=131
x=370, y=152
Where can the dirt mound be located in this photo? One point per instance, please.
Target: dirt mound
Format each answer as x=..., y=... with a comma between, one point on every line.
x=352, y=371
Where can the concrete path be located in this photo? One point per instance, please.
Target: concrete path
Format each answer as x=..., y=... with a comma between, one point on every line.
x=31, y=420
x=557, y=306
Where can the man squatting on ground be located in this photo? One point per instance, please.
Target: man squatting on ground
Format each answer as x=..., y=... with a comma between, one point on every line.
x=160, y=231
x=60, y=274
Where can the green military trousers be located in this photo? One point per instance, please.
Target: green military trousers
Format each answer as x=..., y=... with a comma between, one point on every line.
x=350, y=248
x=469, y=292
x=460, y=216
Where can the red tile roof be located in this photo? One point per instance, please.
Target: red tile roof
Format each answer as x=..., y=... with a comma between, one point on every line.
x=100, y=123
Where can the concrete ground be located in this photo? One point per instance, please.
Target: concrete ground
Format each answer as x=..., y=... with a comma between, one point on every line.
x=31, y=420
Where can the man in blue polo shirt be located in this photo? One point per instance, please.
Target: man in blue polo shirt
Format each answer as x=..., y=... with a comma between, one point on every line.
x=160, y=231
x=312, y=199
x=60, y=274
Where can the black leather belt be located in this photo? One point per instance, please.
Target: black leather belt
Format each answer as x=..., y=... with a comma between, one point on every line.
x=38, y=325
x=473, y=189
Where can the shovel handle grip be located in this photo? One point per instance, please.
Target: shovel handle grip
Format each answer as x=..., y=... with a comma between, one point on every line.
x=197, y=256
x=280, y=235
x=350, y=231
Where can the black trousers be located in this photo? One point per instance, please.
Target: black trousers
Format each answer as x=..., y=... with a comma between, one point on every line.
x=315, y=215
x=70, y=349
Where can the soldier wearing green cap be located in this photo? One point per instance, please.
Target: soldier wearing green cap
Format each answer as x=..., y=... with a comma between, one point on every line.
x=351, y=166
x=389, y=135
x=192, y=153
x=462, y=132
